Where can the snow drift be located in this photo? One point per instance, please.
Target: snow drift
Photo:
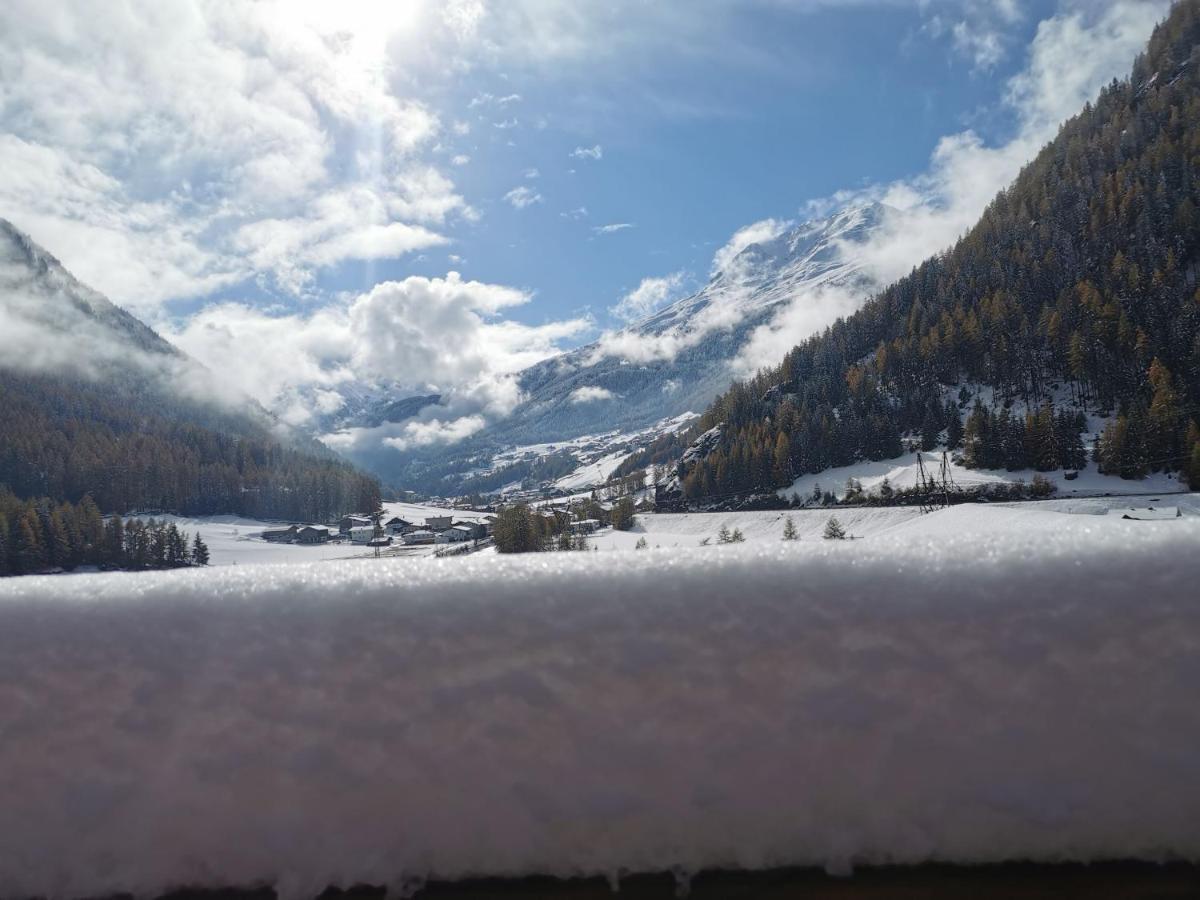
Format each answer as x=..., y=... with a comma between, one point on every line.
x=816, y=703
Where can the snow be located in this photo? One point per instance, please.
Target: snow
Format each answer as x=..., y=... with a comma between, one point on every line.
x=234, y=541
x=916, y=695
x=983, y=521
x=593, y=473
x=903, y=472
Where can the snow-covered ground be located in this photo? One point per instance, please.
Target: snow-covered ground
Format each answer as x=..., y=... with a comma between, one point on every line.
x=903, y=472
x=983, y=520
x=918, y=695
x=234, y=541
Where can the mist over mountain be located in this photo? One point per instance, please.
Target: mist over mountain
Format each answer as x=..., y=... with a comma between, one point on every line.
x=95, y=402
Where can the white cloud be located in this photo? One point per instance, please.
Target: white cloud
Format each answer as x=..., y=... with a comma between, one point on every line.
x=580, y=212
x=594, y=153
x=436, y=431
x=419, y=335
x=590, y=394
x=806, y=313
x=486, y=99
x=650, y=295
x=1072, y=56
x=755, y=233
x=532, y=173
x=180, y=124
x=460, y=159
x=522, y=196
x=613, y=228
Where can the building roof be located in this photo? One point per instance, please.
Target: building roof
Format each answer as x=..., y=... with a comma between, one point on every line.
x=1146, y=513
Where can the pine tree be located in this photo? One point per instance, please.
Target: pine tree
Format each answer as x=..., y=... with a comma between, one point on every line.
x=737, y=537
x=27, y=553
x=622, y=514
x=789, y=530
x=834, y=530
x=641, y=544
x=4, y=564
x=723, y=535
x=199, y=551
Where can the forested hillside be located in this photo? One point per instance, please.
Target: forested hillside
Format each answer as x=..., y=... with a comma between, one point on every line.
x=130, y=449
x=94, y=403
x=1078, y=287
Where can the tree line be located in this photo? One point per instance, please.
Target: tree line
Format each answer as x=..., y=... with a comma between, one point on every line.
x=67, y=439
x=45, y=536
x=1079, y=283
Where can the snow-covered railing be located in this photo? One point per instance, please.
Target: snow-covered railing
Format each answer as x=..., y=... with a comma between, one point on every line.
x=1032, y=696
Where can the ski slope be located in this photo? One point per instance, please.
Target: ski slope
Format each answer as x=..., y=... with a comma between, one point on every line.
x=918, y=695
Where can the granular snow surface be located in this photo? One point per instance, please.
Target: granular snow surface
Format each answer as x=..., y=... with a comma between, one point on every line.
x=919, y=695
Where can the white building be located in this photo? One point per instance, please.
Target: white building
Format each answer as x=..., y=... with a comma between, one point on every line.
x=419, y=537
x=362, y=534
x=455, y=535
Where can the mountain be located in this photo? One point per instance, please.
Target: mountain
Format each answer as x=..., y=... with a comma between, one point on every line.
x=673, y=361
x=95, y=402
x=1074, y=296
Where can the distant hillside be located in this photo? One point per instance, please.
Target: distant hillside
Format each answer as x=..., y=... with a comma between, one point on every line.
x=94, y=402
x=1078, y=286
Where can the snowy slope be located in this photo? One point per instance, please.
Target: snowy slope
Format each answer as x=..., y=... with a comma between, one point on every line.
x=893, y=700
x=679, y=358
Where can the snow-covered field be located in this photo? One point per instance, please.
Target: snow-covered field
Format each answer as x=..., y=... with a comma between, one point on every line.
x=984, y=520
x=903, y=472
x=918, y=695
x=234, y=541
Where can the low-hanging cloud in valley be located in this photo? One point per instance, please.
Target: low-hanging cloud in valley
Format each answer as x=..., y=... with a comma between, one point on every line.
x=590, y=393
x=422, y=335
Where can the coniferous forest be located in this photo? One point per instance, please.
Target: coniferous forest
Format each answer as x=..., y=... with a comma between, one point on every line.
x=1080, y=284
x=129, y=447
x=39, y=536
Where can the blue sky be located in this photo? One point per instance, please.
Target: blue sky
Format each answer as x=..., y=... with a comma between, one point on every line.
x=696, y=145
x=430, y=195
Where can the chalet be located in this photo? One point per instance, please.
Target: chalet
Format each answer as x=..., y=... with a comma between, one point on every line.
x=456, y=534
x=281, y=535
x=419, y=537
x=438, y=523
x=396, y=525
x=1147, y=513
x=349, y=522
x=312, y=534
x=362, y=534
x=585, y=526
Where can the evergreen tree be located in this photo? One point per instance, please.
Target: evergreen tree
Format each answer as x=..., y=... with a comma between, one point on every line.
x=4, y=563
x=789, y=529
x=834, y=530
x=516, y=531
x=199, y=551
x=622, y=514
